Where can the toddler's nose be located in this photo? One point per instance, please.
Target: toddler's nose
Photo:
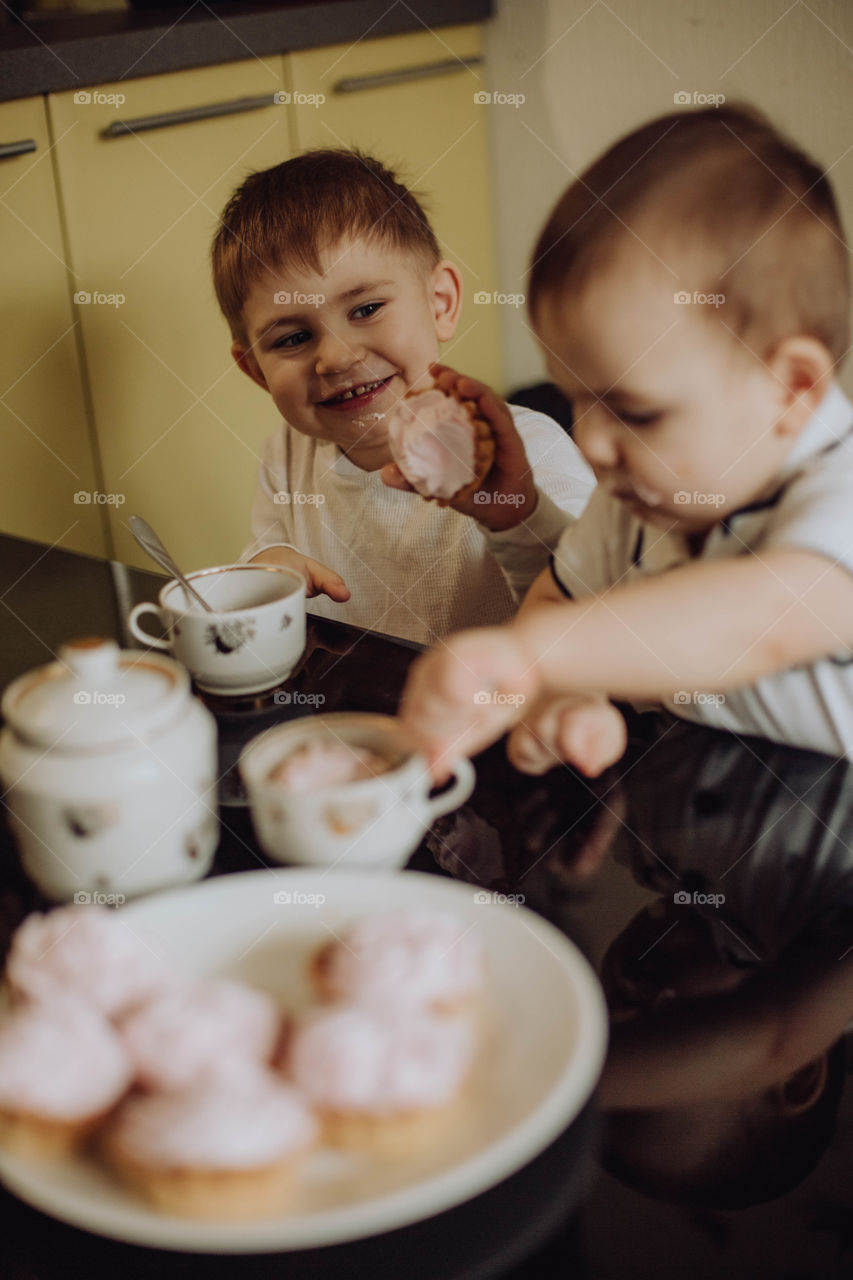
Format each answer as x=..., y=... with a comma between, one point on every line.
x=595, y=434
x=335, y=354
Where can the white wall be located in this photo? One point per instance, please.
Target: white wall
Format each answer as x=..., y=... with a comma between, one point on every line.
x=591, y=70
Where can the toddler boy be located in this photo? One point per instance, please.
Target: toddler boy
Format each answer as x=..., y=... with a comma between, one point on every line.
x=691, y=295
x=337, y=297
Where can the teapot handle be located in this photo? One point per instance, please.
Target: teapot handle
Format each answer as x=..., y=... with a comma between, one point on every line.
x=154, y=642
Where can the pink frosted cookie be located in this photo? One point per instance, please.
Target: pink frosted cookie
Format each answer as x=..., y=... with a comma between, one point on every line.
x=224, y=1150
x=379, y=1082
x=440, y=444
x=62, y=1069
x=84, y=951
x=323, y=762
x=198, y=1030
x=416, y=958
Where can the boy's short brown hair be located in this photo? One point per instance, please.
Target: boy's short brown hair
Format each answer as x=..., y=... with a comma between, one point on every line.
x=726, y=182
x=291, y=212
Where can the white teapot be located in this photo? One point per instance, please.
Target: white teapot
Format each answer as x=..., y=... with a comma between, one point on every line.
x=109, y=764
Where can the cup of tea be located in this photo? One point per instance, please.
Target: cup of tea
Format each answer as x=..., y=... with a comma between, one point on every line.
x=251, y=641
x=343, y=789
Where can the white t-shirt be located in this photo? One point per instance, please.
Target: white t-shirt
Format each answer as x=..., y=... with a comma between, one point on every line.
x=415, y=569
x=811, y=510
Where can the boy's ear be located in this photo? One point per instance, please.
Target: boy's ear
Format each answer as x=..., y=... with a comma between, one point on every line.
x=446, y=298
x=246, y=361
x=802, y=367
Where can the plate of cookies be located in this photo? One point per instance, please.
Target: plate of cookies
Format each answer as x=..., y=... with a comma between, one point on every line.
x=283, y=1059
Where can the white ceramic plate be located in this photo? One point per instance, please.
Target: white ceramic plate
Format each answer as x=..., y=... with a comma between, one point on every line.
x=544, y=1037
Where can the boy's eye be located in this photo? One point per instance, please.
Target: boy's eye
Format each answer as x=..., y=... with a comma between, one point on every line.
x=367, y=309
x=292, y=339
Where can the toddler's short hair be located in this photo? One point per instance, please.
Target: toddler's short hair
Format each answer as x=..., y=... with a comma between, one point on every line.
x=288, y=214
x=726, y=182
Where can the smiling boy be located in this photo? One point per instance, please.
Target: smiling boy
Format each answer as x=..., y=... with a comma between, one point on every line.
x=711, y=569
x=337, y=297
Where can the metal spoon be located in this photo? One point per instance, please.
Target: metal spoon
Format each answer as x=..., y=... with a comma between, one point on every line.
x=150, y=543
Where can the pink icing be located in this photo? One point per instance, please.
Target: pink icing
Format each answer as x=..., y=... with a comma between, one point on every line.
x=322, y=763
x=432, y=442
x=200, y=1030
x=405, y=958
x=354, y=1059
x=61, y=1062
x=87, y=951
x=235, y=1124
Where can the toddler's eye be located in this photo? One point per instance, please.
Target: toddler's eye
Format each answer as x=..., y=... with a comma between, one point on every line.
x=638, y=419
x=367, y=309
x=292, y=339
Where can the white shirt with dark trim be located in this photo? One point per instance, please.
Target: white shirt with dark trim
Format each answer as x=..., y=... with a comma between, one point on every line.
x=415, y=569
x=810, y=510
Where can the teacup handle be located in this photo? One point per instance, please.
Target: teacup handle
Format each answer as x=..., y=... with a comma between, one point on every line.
x=147, y=606
x=458, y=793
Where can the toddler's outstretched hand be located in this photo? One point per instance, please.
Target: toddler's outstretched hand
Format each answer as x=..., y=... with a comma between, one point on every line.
x=320, y=580
x=464, y=694
x=508, y=493
x=584, y=730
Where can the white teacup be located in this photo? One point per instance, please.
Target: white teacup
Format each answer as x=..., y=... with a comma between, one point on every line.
x=251, y=642
x=376, y=822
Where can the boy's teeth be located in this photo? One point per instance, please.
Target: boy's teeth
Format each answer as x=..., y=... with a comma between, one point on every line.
x=358, y=391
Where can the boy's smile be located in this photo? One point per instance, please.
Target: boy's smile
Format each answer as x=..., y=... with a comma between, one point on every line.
x=337, y=348
x=675, y=416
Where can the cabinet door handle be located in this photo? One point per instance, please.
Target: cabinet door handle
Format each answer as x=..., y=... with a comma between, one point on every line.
x=448, y=67
x=8, y=149
x=166, y=119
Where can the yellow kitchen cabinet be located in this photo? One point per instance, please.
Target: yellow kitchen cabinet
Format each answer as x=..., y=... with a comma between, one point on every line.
x=410, y=101
x=47, y=454
x=178, y=430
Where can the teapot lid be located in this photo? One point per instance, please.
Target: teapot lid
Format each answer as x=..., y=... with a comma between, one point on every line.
x=94, y=695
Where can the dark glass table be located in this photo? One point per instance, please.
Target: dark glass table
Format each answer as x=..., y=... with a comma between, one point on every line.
x=708, y=878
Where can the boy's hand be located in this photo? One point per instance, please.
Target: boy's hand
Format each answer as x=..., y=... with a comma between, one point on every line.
x=320, y=580
x=508, y=493
x=584, y=730
x=462, y=695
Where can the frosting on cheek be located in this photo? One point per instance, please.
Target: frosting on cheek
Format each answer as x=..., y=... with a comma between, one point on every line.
x=432, y=440
x=62, y=1062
